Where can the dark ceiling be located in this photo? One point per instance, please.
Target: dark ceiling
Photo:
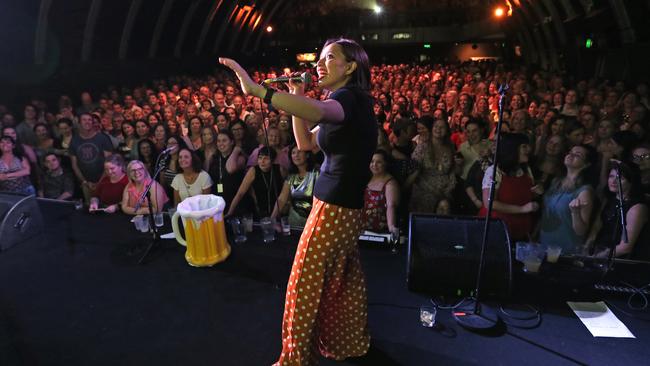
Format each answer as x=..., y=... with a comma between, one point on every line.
x=54, y=41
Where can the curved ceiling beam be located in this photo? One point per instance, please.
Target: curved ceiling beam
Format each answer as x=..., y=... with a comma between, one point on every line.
x=128, y=28
x=267, y=21
x=545, y=24
x=40, y=39
x=206, y=25
x=530, y=23
x=529, y=46
x=557, y=22
x=623, y=21
x=160, y=25
x=89, y=31
x=568, y=10
x=250, y=34
x=222, y=30
x=186, y=24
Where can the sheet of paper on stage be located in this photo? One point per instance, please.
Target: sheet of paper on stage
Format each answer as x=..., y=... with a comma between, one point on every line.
x=599, y=320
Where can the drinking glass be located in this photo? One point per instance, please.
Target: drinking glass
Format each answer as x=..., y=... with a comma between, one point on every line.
x=238, y=230
x=286, y=228
x=428, y=316
x=267, y=229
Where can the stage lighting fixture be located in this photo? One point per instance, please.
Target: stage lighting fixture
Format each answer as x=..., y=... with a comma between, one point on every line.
x=269, y=29
x=377, y=9
x=498, y=12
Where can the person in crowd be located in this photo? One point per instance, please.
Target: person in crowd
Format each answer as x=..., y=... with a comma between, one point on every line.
x=298, y=189
x=550, y=162
x=474, y=182
x=574, y=132
x=515, y=189
x=618, y=147
x=109, y=189
x=263, y=182
x=191, y=179
x=159, y=136
x=208, y=149
x=142, y=130
x=194, y=134
x=56, y=183
x=222, y=121
x=23, y=149
x=607, y=232
x=139, y=179
x=569, y=202
x=347, y=134
x=129, y=139
x=45, y=142
x=381, y=197
x=474, y=144
x=14, y=168
x=434, y=180
x=171, y=168
x=89, y=149
x=62, y=144
x=641, y=157
x=227, y=168
x=25, y=129
x=148, y=154
x=242, y=138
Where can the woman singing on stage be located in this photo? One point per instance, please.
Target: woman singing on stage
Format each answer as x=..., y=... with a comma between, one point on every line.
x=326, y=306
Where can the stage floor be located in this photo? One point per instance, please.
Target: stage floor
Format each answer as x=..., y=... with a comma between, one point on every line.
x=88, y=303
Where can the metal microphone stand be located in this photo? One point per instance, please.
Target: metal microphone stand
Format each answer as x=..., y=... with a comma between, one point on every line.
x=473, y=315
x=155, y=240
x=621, y=212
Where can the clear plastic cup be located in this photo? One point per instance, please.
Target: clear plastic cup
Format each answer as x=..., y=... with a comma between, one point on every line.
x=267, y=229
x=247, y=220
x=158, y=219
x=286, y=228
x=238, y=230
x=553, y=253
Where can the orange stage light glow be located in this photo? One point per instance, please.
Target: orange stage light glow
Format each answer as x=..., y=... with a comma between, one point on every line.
x=498, y=12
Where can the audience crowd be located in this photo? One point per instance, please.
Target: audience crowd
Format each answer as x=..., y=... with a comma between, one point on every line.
x=564, y=145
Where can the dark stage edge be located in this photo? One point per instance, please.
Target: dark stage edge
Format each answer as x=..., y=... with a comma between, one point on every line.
x=88, y=303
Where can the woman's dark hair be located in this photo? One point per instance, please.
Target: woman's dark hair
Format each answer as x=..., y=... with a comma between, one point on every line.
x=160, y=124
x=67, y=121
x=354, y=52
x=267, y=151
x=16, y=151
x=627, y=140
x=227, y=133
x=196, y=161
x=154, y=151
x=589, y=175
x=509, y=152
x=225, y=115
x=47, y=128
x=632, y=174
x=181, y=143
x=427, y=121
x=293, y=169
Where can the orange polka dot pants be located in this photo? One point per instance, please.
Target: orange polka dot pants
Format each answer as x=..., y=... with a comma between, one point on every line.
x=326, y=305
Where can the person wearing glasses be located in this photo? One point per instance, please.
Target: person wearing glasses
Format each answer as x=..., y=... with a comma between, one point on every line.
x=139, y=178
x=641, y=157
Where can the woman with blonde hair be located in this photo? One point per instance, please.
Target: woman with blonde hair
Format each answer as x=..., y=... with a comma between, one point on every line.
x=139, y=179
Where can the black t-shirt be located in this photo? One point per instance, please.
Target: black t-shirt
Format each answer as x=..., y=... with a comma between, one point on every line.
x=348, y=147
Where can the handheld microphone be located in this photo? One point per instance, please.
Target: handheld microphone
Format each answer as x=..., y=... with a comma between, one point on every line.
x=305, y=78
x=168, y=150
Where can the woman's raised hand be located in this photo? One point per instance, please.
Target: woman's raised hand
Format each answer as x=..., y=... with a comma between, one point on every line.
x=248, y=86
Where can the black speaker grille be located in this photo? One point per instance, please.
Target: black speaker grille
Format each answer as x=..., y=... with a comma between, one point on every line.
x=444, y=255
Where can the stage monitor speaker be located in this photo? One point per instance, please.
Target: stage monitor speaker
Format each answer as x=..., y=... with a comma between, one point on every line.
x=444, y=252
x=20, y=219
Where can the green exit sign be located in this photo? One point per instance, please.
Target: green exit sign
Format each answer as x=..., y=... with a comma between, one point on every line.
x=589, y=43
x=426, y=45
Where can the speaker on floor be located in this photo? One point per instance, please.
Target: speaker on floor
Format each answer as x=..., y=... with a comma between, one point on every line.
x=444, y=252
x=20, y=219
